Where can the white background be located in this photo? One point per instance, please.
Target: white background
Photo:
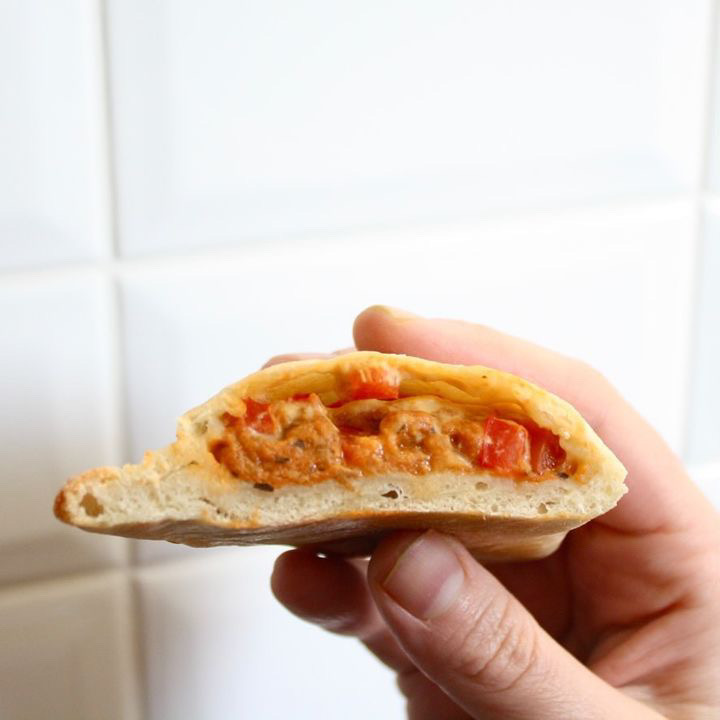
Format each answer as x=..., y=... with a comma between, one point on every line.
x=188, y=188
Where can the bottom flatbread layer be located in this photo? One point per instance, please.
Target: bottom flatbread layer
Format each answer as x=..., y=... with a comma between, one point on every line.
x=496, y=518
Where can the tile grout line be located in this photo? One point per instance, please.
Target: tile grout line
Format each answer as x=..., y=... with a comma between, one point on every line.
x=110, y=154
x=140, y=688
x=105, y=267
x=710, y=100
x=45, y=584
x=119, y=265
x=704, y=200
x=134, y=682
x=133, y=573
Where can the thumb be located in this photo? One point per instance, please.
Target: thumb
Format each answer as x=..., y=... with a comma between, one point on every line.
x=471, y=637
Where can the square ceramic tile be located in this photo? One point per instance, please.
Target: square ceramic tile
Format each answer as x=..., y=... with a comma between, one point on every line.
x=703, y=442
x=247, y=120
x=66, y=652
x=217, y=645
x=53, y=172
x=613, y=288
x=56, y=420
x=707, y=477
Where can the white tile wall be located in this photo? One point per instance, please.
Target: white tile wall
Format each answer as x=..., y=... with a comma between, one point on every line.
x=66, y=651
x=53, y=170
x=265, y=663
x=57, y=380
x=704, y=426
x=541, y=167
x=239, y=120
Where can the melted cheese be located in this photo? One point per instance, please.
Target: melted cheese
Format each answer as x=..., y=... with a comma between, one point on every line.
x=310, y=442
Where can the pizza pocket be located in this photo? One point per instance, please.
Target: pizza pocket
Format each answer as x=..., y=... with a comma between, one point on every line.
x=334, y=453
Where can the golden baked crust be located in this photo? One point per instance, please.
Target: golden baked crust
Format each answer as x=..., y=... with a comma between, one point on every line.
x=183, y=494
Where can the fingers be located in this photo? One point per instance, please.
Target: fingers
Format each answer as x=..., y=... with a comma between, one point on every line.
x=656, y=477
x=290, y=357
x=332, y=593
x=468, y=635
x=426, y=701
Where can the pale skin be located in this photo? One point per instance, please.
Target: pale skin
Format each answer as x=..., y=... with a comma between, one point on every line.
x=623, y=621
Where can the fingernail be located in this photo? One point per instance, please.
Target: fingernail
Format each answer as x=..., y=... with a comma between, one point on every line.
x=426, y=579
x=394, y=313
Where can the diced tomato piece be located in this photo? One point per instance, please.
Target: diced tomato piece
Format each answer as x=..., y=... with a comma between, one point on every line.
x=300, y=396
x=253, y=409
x=545, y=451
x=349, y=450
x=228, y=420
x=506, y=445
x=258, y=417
x=377, y=383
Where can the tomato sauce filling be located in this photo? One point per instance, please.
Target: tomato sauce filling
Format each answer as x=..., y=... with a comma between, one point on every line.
x=374, y=431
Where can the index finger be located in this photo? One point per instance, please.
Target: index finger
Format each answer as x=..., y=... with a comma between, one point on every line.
x=661, y=496
x=290, y=357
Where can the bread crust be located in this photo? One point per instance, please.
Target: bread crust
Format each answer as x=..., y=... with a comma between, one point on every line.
x=182, y=494
x=357, y=536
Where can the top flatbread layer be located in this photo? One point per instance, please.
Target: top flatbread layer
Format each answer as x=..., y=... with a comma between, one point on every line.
x=509, y=394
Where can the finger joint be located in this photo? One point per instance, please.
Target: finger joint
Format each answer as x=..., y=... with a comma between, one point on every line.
x=499, y=651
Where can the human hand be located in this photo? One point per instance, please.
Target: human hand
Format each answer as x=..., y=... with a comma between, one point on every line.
x=621, y=622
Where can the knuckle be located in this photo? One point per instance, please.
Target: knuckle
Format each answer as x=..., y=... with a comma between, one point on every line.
x=499, y=650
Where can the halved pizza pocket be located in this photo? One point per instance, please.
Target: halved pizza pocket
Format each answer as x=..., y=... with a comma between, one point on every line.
x=335, y=453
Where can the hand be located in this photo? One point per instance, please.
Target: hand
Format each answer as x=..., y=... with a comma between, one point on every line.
x=621, y=622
